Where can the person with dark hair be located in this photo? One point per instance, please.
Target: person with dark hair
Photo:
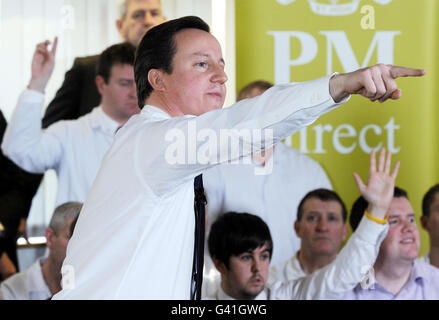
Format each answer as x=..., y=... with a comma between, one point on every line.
x=43, y=278
x=140, y=210
x=430, y=223
x=74, y=148
x=275, y=180
x=240, y=245
x=397, y=273
x=321, y=226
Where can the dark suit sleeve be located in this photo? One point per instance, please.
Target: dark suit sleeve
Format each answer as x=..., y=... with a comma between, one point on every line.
x=17, y=187
x=78, y=94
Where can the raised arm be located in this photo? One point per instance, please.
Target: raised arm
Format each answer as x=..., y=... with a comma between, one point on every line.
x=362, y=248
x=24, y=142
x=43, y=63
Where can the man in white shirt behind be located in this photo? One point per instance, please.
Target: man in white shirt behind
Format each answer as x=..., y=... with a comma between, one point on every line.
x=321, y=225
x=73, y=148
x=43, y=279
x=139, y=215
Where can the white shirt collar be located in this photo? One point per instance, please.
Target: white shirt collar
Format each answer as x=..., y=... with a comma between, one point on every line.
x=99, y=119
x=155, y=113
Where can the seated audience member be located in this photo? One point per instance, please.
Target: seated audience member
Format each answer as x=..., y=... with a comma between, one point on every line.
x=321, y=226
x=396, y=274
x=345, y=271
x=240, y=246
x=17, y=189
x=430, y=222
x=272, y=195
x=43, y=279
x=74, y=148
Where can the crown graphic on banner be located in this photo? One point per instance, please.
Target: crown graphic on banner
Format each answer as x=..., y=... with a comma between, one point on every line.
x=334, y=8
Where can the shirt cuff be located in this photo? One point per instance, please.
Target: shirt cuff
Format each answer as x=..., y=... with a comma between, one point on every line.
x=31, y=96
x=370, y=231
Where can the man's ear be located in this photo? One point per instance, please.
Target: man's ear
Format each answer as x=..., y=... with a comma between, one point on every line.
x=100, y=82
x=219, y=265
x=155, y=79
x=49, y=234
x=297, y=227
x=119, y=25
x=345, y=231
x=424, y=222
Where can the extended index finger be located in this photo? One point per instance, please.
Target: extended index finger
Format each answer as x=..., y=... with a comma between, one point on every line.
x=396, y=72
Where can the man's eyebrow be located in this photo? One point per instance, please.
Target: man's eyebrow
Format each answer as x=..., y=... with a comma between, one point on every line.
x=206, y=55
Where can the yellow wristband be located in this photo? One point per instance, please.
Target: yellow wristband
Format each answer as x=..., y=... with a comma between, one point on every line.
x=371, y=217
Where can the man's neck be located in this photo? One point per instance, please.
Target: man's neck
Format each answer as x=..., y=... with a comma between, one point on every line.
x=121, y=122
x=434, y=255
x=52, y=276
x=311, y=263
x=393, y=275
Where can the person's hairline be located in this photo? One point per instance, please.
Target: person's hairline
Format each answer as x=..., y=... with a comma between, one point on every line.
x=123, y=8
x=322, y=200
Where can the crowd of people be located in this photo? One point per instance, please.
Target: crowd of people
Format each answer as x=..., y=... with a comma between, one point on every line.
x=119, y=136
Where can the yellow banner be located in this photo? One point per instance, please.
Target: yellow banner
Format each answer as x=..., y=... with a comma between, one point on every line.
x=298, y=40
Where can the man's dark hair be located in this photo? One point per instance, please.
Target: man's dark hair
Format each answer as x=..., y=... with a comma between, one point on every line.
x=322, y=195
x=428, y=200
x=122, y=53
x=259, y=84
x=235, y=233
x=157, y=50
x=360, y=205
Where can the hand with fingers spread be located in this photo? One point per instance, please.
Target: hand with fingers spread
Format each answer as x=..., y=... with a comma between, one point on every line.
x=379, y=188
x=43, y=63
x=375, y=83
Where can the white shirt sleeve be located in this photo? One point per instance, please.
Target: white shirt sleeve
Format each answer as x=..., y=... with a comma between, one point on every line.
x=349, y=268
x=284, y=109
x=25, y=143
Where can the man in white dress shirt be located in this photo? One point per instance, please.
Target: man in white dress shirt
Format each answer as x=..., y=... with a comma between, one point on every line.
x=321, y=225
x=138, y=220
x=430, y=223
x=43, y=279
x=73, y=148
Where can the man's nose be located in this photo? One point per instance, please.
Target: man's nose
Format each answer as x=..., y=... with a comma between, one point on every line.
x=256, y=265
x=133, y=91
x=148, y=19
x=219, y=75
x=322, y=225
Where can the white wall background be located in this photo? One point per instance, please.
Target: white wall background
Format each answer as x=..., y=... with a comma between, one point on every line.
x=84, y=27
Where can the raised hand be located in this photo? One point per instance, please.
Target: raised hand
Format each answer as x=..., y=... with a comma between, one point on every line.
x=380, y=186
x=375, y=83
x=43, y=63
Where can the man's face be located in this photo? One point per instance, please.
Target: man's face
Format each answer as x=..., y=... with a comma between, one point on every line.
x=197, y=82
x=57, y=243
x=402, y=240
x=247, y=273
x=119, y=94
x=431, y=223
x=141, y=16
x=321, y=228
